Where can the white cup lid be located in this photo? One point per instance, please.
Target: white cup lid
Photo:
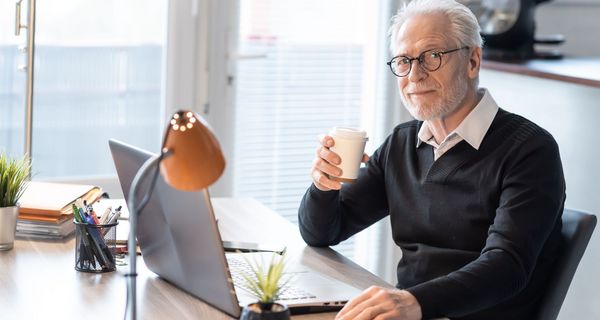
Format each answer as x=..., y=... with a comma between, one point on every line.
x=349, y=133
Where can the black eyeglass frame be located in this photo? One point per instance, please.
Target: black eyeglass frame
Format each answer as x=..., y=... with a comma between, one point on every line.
x=420, y=60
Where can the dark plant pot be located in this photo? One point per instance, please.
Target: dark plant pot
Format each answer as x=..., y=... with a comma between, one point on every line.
x=257, y=311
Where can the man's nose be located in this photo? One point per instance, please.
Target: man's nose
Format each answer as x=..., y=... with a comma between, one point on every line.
x=416, y=71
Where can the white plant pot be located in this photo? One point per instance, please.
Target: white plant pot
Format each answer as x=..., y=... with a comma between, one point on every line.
x=8, y=226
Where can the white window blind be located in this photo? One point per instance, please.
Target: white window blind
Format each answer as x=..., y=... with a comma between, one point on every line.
x=309, y=67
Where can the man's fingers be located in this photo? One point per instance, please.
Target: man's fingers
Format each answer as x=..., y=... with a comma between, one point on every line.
x=365, y=310
x=370, y=313
x=327, y=168
x=368, y=308
x=365, y=158
x=323, y=183
x=389, y=315
x=324, y=166
x=350, y=308
x=328, y=155
x=378, y=303
x=326, y=141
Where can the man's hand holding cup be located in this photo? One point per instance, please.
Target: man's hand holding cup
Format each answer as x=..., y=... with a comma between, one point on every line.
x=338, y=158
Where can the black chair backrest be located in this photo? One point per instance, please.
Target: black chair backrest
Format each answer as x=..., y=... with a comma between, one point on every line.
x=577, y=229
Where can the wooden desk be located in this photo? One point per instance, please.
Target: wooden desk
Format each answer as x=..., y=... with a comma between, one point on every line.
x=38, y=279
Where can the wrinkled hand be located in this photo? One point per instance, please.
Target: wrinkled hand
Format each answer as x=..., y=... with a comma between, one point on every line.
x=381, y=303
x=325, y=165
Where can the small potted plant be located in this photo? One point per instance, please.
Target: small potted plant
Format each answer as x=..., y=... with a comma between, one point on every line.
x=14, y=175
x=266, y=286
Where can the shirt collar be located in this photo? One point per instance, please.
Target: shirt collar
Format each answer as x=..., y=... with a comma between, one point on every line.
x=473, y=127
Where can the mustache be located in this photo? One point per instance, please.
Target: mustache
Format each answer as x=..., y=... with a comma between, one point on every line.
x=419, y=88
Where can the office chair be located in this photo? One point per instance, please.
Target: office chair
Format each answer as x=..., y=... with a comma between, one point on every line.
x=577, y=229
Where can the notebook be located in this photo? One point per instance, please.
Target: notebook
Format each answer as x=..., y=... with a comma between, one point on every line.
x=53, y=200
x=180, y=241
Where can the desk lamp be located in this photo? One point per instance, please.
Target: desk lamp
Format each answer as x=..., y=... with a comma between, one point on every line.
x=191, y=159
x=508, y=29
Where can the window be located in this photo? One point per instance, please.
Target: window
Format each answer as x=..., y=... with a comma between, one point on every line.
x=12, y=84
x=305, y=66
x=98, y=74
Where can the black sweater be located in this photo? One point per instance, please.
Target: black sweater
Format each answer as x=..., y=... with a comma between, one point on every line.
x=478, y=229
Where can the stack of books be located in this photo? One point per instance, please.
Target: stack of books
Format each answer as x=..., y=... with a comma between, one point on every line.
x=46, y=208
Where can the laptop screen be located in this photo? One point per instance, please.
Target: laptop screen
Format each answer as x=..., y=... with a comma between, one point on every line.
x=177, y=234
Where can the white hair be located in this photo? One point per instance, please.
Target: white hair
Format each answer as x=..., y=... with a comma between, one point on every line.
x=464, y=28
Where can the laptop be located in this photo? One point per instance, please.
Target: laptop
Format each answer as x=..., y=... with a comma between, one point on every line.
x=180, y=242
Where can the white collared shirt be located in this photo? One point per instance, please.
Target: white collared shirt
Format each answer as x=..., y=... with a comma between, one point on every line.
x=472, y=129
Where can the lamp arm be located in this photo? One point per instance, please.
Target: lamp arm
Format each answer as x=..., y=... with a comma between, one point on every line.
x=131, y=241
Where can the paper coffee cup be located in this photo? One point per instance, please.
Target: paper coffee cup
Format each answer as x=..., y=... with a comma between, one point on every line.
x=350, y=146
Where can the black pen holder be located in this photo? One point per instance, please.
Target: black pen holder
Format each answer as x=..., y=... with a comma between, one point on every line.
x=95, y=247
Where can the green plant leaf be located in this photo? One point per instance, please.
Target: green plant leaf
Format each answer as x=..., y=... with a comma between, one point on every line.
x=265, y=283
x=14, y=174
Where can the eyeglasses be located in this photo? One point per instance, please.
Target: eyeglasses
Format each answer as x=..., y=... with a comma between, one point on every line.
x=430, y=60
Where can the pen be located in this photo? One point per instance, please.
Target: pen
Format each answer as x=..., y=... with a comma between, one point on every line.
x=107, y=219
x=111, y=220
x=93, y=215
x=82, y=214
x=89, y=211
x=114, y=217
x=105, y=215
x=86, y=252
x=119, y=209
x=101, y=250
x=76, y=214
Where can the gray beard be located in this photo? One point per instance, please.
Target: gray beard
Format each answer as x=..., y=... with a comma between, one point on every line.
x=450, y=102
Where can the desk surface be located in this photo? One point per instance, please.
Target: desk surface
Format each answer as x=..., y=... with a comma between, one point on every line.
x=37, y=278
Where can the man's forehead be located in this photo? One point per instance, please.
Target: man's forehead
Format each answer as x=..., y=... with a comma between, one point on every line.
x=422, y=32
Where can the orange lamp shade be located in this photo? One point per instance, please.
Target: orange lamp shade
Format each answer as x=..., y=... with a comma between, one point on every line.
x=195, y=159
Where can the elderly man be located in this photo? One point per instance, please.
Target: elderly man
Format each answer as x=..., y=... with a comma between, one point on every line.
x=474, y=193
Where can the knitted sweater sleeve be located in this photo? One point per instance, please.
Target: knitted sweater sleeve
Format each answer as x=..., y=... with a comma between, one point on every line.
x=328, y=217
x=531, y=201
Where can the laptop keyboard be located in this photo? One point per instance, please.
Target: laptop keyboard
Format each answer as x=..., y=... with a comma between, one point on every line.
x=238, y=267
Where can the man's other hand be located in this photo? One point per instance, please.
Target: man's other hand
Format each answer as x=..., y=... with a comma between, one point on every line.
x=381, y=303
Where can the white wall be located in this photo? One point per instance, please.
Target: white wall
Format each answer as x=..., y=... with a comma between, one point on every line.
x=576, y=20
x=570, y=112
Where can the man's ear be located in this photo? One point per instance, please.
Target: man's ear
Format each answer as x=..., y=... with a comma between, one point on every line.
x=474, y=62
